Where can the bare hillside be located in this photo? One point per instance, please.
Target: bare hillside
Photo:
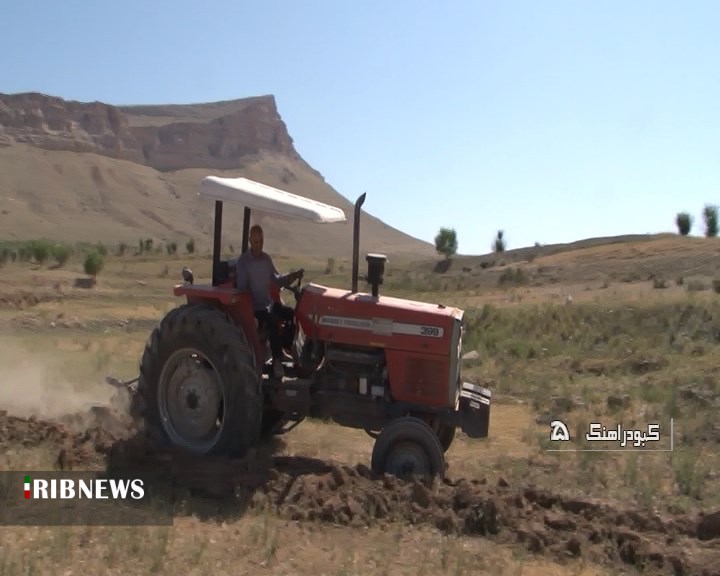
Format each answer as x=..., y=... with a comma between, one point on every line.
x=72, y=196
x=90, y=172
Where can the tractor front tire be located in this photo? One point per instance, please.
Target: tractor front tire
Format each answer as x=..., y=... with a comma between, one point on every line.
x=408, y=447
x=446, y=435
x=199, y=389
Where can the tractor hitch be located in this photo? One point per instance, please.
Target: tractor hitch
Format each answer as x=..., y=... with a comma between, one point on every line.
x=127, y=384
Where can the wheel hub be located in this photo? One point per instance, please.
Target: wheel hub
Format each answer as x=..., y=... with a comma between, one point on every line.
x=408, y=459
x=191, y=400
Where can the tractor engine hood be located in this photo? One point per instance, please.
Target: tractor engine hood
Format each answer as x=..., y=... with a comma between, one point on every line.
x=342, y=316
x=335, y=299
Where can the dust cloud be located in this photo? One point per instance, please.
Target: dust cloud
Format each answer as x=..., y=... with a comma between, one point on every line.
x=30, y=386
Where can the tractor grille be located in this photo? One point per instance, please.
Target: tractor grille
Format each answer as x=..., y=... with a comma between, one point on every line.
x=426, y=376
x=453, y=375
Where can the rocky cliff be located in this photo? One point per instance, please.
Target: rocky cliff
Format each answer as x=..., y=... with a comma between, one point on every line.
x=163, y=137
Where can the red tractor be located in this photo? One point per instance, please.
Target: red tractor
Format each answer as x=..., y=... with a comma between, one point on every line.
x=385, y=365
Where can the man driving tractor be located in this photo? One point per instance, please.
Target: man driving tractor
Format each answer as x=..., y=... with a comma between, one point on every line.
x=254, y=272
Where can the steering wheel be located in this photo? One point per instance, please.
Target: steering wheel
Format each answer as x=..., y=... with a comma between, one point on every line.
x=295, y=286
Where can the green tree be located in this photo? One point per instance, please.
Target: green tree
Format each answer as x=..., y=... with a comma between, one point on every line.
x=684, y=223
x=446, y=242
x=190, y=246
x=710, y=213
x=93, y=264
x=499, y=242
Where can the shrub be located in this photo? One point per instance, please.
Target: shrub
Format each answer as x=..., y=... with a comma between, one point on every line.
x=513, y=276
x=190, y=246
x=684, y=222
x=24, y=253
x=171, y=248
x=40, y=250
x=61, y=254
x=93, y=264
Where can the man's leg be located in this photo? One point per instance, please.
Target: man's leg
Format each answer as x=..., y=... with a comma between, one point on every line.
x=263, y=317
x=287, y=315
x=269, y=320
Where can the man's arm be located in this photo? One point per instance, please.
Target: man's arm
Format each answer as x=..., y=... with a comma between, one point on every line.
x=282, y=279
x=277, y=278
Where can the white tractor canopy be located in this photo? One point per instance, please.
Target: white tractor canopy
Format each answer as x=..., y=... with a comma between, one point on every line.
x=263, y=198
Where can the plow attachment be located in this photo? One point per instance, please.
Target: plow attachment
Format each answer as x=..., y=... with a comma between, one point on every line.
x=129, y=385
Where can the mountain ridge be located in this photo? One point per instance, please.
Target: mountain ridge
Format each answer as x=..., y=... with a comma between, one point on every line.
x=123, y=172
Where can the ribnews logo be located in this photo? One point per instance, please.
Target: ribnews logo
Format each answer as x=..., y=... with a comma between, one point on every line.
x=94, y=489
x=73, y=498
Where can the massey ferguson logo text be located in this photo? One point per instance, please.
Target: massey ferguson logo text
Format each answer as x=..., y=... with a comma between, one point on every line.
x=67, y=489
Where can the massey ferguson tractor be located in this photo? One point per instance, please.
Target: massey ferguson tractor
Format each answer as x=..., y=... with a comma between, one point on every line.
x=385, y=365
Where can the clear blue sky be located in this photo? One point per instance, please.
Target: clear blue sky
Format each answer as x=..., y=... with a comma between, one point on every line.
x=552, y=120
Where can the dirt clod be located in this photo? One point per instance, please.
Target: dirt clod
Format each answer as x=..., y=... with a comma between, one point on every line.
x=708, y=527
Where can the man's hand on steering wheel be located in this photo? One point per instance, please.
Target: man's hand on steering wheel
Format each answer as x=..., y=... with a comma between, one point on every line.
x=294, y=277
x=298, y=275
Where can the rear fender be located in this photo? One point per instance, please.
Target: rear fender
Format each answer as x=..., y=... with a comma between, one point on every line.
x=237, y=304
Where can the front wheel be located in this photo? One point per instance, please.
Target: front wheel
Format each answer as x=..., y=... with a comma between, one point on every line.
x=446, y=435
x=198, y=388
x=408, y=447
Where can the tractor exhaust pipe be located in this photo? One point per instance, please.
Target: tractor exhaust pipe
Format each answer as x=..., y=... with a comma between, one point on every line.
x=356, y=242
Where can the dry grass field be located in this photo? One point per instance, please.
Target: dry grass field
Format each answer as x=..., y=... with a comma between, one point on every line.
x=619, y=333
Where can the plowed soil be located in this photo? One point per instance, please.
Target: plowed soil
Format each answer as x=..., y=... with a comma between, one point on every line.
x=546, y=523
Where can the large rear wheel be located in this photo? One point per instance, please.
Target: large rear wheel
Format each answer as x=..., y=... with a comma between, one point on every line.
x=199, y=389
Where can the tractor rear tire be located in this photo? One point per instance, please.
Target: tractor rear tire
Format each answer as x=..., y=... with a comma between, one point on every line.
x=219, y=383
x=408, y=447
x=272, y=420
